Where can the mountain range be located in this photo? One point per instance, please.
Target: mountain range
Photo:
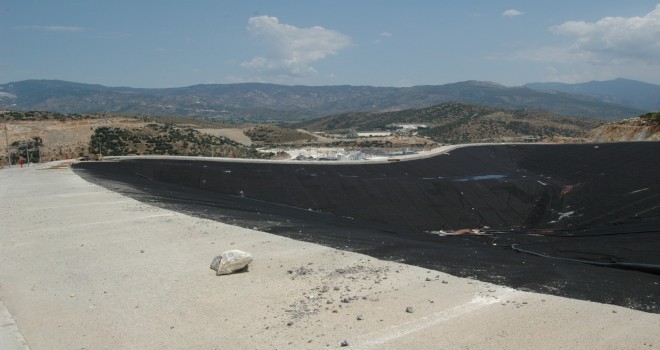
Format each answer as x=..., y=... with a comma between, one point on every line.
x=256, y=102
x=621, y=91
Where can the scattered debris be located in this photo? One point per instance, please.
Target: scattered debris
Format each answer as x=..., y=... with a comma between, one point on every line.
x=465, y=231
x=231, y=261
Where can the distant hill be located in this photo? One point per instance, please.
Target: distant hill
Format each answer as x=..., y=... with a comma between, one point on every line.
x=254, y=102
x=462, y=123
x=625, y=92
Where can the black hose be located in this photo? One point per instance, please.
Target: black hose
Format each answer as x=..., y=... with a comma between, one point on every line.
x=642, y=267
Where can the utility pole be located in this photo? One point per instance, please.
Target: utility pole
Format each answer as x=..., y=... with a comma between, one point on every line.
x=4, y=115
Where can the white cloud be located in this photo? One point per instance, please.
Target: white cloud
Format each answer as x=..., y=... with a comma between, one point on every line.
x=616, y=39
x=67, y=29
x=292, y=50
x=383, y=35
x=512, y=13
x=609, y=48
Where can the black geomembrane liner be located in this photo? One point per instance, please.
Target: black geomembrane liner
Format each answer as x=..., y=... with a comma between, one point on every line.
x=577, y=220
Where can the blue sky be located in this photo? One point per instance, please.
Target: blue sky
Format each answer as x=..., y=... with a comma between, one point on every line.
x=381, y=43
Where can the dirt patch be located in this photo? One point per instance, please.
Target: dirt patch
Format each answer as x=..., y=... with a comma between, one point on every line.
x=234, y=134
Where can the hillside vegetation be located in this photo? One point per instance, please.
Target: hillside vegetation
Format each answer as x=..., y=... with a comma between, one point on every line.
x=462, y=123
x=273, y=135
x=52, y=136
x=47, y=136
x=166, y=139
x=259, y=103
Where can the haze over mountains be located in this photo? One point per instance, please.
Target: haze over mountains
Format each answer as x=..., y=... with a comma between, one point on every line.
x=255, y=102
x=626, y=92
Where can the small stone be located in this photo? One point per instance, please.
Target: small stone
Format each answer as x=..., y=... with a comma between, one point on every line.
x=290, y=323
x=410, y=309
x=142, y=251
x=428, y=279
x=231, y=261
x=344, y=343
x=337, y=288
x=359, y=317
x=445, y=282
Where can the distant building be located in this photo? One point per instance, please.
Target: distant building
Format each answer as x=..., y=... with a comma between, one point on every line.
x=374, y=133
x=406, y=129
x=354, y=134
x=407, y=126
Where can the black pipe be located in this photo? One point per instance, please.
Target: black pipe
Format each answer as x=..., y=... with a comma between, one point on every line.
x=642, y=267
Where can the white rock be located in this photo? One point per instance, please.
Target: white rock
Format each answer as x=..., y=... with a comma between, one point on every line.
x=230, y=261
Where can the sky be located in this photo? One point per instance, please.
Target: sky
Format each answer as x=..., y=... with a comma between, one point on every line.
x=166, y=43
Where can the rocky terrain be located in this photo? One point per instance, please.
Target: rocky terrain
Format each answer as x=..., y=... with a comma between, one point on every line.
x=643, y=128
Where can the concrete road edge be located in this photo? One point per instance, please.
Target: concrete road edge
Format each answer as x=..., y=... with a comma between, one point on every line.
x=10, y=337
